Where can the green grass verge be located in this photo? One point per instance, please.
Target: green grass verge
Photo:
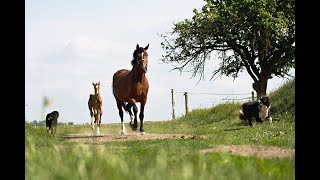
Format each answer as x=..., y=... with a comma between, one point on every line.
x=50, y=157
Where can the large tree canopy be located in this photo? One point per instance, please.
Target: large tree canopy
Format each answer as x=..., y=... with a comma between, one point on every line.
x=255, y=35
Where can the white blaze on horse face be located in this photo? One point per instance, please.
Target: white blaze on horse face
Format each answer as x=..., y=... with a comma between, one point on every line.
x=145, y=59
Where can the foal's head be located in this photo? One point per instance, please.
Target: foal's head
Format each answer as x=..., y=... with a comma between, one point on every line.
x=140, y=57
x=96, y=87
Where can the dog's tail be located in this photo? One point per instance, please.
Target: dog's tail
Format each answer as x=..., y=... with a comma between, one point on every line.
x=241, y=115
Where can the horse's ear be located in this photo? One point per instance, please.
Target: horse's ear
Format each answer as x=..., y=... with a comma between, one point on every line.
x=92, y=83
x=99, y=83
x=137, y=46
x=146, y=48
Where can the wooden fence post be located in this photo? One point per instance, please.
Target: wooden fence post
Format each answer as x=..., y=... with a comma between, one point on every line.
x=172, y=104
x=186, y=101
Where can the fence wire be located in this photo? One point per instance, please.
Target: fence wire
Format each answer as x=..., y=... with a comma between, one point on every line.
x=198, y=100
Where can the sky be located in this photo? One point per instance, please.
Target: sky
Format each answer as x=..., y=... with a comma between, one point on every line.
x=70, y=44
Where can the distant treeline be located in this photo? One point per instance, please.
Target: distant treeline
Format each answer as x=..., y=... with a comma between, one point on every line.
x=43, y=123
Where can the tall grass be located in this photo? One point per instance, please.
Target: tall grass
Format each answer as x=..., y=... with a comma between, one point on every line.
x=49, y=157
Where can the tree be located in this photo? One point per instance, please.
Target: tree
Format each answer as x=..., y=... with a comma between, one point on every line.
x=255, y=35
x=42, y=123
x=34, y=122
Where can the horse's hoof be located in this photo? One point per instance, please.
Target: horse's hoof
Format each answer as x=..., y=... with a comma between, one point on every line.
x=133, y=129
x=142, y=133
x=123, y=133
x=130, y=124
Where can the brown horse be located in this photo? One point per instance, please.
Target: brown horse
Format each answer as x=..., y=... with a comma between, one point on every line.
x=131, y=87
x=95, y=106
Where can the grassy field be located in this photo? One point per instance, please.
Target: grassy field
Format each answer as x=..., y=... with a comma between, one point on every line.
x=55, y=158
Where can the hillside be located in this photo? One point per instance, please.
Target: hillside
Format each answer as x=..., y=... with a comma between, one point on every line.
x=282, y=107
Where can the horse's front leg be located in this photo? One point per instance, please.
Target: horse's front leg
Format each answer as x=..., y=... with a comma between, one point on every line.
x=128, y=109
x=119, y=105
x=135, y=111
x=132, y=118
x=141, y=116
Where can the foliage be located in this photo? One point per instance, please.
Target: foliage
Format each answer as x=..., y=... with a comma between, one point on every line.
x=70, y=123
x=253, y=35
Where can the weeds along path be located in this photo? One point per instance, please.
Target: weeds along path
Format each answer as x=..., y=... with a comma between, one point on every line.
x=242, y=150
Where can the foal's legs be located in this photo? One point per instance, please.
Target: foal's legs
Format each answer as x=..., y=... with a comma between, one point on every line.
x=92, y=118
x=98, y=120
x=141, y=116
x=99, y=115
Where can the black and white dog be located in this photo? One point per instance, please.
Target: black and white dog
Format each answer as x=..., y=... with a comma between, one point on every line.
x=52, y=122
x=260, y=110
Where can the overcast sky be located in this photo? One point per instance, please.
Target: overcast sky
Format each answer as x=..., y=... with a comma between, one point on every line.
x=71, y=43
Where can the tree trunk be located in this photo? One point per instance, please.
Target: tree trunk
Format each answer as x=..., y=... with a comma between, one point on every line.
x=260, y=86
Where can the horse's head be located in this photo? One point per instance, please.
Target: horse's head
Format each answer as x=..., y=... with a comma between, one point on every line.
x=96, y=87
x=140, y=57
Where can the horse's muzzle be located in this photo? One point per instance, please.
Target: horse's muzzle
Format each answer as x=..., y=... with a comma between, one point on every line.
x=144, y=68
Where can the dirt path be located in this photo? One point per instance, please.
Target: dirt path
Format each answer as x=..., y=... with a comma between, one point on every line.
x=243, y=150
x=252, y=150
x=91, y=137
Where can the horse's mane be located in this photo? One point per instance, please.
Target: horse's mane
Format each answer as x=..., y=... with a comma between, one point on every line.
x=135, y=55
x=134, y=61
